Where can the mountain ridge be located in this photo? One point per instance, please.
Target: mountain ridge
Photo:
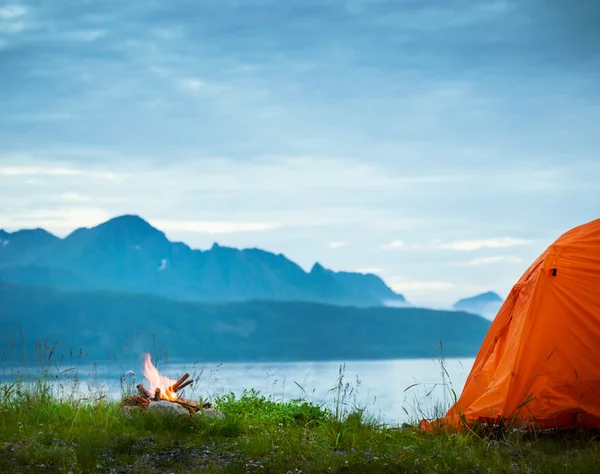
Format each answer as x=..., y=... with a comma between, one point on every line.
x=485, y=304
x=126, y=253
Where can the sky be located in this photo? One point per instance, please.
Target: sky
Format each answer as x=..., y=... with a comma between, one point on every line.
x=441, y=144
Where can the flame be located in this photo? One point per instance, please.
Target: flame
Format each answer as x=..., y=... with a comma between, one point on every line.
x=157, y=380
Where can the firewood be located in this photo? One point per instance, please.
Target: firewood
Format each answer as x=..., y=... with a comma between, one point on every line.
x=190, y=407
x=173, y=388
x=143, y=391
x=183, y=385
x=141, y=400
x=129, y=401
x=189, y=402
x=157, y=394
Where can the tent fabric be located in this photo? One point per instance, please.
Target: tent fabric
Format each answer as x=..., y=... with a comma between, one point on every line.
x=539, y=364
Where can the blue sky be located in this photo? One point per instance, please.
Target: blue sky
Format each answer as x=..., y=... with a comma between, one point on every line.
x=441, y=144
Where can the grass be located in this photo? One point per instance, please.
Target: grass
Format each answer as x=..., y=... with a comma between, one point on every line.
x=51, y=424
x=43, y=432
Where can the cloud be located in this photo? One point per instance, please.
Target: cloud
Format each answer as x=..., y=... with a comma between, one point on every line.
x=38, y=171
x=337, y=244
x=74, y=197
x=55, y=170
x=476, y=262
x=37, y=117
x=10, y=12
x=404, y=285
x=192, y=84
x=85, y=35
x=215, y=227
x=373, y=270
x=12, y=27
x=320, y=181
x=11, y=20
x=59, y=220
x=395, y=244
x=470, y=245
x=168, y=33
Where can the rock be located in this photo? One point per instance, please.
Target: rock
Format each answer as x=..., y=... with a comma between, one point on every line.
x=211, y=413
x=128, y=409
x=128, y=406
x=164, y=407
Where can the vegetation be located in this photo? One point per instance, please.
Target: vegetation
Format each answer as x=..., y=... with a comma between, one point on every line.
x=43, y=432
x=212, y=332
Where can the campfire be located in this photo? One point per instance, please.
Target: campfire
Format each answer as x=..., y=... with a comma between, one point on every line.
x=163, y=389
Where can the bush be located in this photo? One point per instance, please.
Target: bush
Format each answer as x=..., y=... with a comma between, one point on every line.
x=256, y=406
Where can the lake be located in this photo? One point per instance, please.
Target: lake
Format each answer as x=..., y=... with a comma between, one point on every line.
x=393, y=391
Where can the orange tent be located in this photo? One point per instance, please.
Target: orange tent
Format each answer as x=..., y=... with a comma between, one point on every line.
x=539, y=364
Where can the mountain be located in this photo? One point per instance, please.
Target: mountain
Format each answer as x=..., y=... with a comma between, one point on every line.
x=356, y=283
x=24, y=244
x=104, y=325
x=128, y=254
x=485, y=304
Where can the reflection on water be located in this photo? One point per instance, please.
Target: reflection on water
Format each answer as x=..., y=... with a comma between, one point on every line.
x=394, y=391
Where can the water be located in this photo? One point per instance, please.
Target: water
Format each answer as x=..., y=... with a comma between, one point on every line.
x=392, y=391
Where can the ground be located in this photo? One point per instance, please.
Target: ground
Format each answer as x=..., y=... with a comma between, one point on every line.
x=39, y=433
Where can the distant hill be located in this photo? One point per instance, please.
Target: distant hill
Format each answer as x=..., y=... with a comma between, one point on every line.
x=485, y=304
x=105, y=325
x=128, y=254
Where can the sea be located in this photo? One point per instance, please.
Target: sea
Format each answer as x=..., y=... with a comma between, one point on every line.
x=389, y=392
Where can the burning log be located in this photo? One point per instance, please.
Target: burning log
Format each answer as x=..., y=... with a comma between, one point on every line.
x=183, y=385
x=141, y=400
x=165, y=392
x=189, y=404
x=143, y=392
x=176, y=386
x=145, y=397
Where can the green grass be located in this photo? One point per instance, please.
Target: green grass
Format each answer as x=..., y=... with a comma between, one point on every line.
x=40, y=433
